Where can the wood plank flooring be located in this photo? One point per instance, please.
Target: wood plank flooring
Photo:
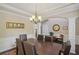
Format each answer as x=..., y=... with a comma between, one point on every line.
x=77, y=50
x=10, y=52
x=13, y=51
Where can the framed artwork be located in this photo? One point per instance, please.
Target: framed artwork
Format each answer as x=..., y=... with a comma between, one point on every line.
x=22, y=25
x=9, y=25
x=56, y=27
x=13, y=25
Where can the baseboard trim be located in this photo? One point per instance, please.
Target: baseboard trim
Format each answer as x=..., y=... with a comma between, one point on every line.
x=7, y=50
x=72, y=53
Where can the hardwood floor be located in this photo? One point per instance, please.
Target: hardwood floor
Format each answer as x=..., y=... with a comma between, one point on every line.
x=10, y=52
x=13, y=51
x=77, y=49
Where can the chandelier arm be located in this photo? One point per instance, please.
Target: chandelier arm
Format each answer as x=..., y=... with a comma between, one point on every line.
x=36, y=19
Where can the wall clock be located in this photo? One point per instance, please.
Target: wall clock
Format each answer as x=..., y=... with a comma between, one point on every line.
x=56, y=27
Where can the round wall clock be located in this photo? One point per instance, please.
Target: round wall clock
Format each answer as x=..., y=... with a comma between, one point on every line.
x=56, y=27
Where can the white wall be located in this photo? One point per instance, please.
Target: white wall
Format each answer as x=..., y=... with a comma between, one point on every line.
x=72, y=33
x=47, y=27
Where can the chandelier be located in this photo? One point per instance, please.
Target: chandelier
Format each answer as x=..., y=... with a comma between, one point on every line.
x=35, y=18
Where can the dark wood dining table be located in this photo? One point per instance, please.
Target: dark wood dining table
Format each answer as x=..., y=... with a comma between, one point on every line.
x=45, y=48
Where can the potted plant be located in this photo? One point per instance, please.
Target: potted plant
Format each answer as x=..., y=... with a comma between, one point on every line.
x=51, y=33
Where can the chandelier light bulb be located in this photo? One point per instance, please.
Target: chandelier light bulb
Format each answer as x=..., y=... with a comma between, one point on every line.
x=33, y=17
x=39, y=17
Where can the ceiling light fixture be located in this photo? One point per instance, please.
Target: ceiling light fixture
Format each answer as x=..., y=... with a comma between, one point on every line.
x=35, y=18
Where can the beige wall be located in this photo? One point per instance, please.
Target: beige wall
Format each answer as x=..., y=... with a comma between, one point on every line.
x=28, y=29
x=8, y=36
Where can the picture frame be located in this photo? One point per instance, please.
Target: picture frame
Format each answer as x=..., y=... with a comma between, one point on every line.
x=13, y=25
x=56, y=27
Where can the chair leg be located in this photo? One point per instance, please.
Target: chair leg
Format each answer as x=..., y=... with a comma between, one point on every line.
x=16, y=51
x=59, y=52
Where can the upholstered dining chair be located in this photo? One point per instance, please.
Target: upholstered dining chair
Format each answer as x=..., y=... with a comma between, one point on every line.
x=40, y=38
x=61, y=38
x=19, y=47
x=65, y=48
x=47, y=38
x=54, y=38
x=23, y=37
x=29, y=49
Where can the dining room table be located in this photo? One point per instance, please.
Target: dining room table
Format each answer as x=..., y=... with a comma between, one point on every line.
x=45, y=48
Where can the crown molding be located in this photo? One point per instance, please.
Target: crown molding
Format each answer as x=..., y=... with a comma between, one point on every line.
x=11, y=8
x=73, y=11
x=16, y=10
x=68, y=8
x=13, y=14
x=56, y=8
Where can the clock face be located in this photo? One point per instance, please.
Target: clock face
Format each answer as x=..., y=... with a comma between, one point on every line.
x=56, y=27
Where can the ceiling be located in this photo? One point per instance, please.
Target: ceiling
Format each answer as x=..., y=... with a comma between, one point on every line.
x=45, y=10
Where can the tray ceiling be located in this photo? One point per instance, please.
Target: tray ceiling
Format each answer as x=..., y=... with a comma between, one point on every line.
x=43, y=9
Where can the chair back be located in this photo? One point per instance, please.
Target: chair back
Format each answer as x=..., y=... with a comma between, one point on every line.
x=40, y=38
x=54, y=39
x=47, y=38
x=23, y=37
x=19, y=47
x=62, y=36
x=29, y=49
x=67, y=48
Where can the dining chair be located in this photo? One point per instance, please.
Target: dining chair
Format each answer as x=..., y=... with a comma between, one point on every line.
x=29, y=49
x=23, y=37
x=40, y=38
x=66, y=48
x=47, y=38
x=54, y=39
x=61, y=38
x=19, y=47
